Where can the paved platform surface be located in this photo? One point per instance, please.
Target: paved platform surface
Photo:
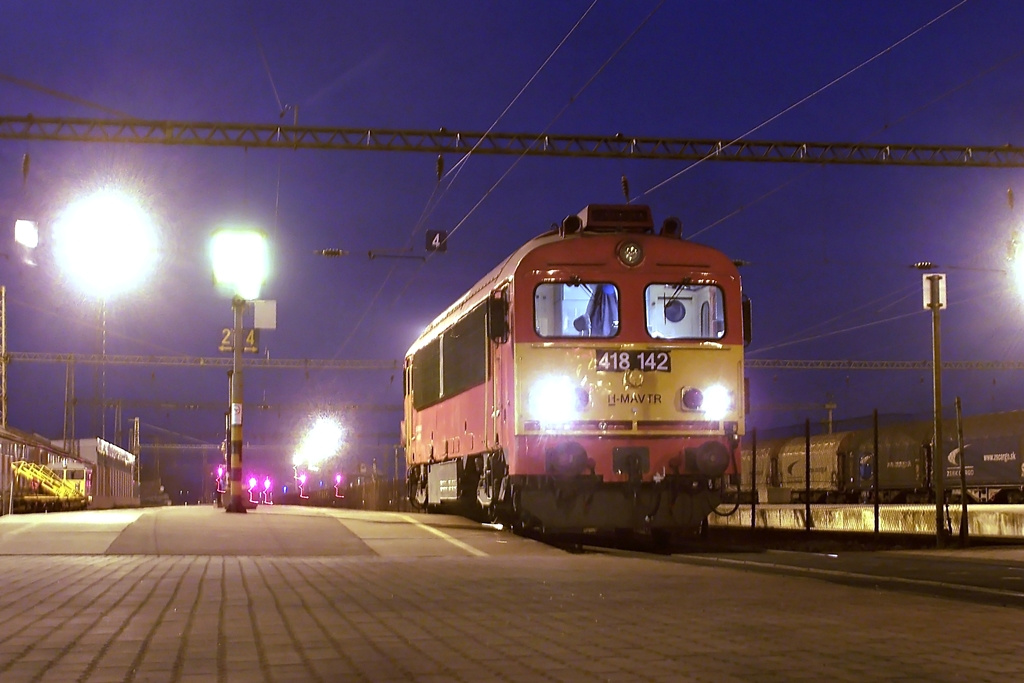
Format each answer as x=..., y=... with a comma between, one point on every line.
x=295, y=595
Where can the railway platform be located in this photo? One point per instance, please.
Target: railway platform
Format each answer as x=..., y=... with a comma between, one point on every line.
x=308, y=594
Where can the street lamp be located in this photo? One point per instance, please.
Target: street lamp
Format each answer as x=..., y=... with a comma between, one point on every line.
x=106, y=243
x=320, y=443
x=935, y=300
x=26, y=235
x=241, y=262
x=1015, y=256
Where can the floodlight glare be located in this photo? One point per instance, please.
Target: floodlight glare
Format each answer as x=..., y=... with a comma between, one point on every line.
x=320, y=443
x=241, y=261
x=26, y=233
x=106, y=242
x=1016, y=259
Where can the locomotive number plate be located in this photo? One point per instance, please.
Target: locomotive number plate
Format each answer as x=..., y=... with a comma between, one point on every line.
x=617, y=360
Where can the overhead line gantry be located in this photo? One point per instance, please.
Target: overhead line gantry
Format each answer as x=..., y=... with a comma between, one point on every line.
x=443, y=141
x=260, y=406
x=203, y=362
x=321, y=364
x=772, y=364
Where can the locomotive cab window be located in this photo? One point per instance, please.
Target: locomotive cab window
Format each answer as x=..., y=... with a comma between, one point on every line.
x=584, y=309
x=677, y=311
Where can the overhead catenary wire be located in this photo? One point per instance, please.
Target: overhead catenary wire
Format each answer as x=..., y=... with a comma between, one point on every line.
x=462, y=161
x=861, y=326
x=615, y=53
x=282, y=110
x=913, y=112
x=31, y=85
x=266, y=64
x=874, y=306
x=808, y=97
x=540, y=135
x=435, y=197
x=806, y=335
x=812, y=337
x=278, y=100
x=453, y=173
x=811, y=333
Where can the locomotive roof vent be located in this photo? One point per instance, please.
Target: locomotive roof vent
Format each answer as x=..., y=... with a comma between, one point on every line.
x=616, y=218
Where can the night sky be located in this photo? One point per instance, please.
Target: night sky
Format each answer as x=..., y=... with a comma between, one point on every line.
x=828, y=246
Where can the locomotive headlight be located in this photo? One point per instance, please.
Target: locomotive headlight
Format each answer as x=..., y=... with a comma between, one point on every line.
x=556, y=399
x=717, y=402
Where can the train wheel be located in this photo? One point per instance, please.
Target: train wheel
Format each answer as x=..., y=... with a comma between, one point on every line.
x=488, y=487
x=417, y=489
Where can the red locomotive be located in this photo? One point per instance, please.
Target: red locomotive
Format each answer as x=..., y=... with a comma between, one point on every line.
x=592, y=382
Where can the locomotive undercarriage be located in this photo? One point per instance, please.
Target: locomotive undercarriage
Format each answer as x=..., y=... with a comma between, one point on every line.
x=480, y=487
x=587, y=505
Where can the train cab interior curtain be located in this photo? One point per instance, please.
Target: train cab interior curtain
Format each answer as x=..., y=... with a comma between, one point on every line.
x=603, y=311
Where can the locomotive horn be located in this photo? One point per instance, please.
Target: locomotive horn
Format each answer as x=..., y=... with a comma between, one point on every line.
x=570, y=225
x=672, y=227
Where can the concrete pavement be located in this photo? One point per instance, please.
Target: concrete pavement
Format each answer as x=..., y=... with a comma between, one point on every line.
x=390, y=597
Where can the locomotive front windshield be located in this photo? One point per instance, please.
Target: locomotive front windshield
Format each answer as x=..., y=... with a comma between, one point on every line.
x=583, y=309
x=676, y=311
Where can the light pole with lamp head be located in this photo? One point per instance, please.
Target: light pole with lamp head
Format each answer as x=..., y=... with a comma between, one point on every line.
x=105, y=241
x=935, y=300
x=241, y=262
x=26, y=236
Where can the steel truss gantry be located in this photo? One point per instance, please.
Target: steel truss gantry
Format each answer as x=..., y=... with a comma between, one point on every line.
x=203, y=362
x=119, y=404
x=443, y=141
x=396, y=365
x=767, y=364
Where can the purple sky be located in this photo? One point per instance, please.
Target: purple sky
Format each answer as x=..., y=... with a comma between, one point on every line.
x=829, y=246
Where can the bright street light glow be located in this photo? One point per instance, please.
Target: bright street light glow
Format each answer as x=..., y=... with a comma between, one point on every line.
x=1016, y=259
x=1017, y=270
x=105, y=242
x=241, y=261
x=26, y=233
x=321, y=443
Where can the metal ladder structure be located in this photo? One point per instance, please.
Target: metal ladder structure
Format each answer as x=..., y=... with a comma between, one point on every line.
x=63, y=490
